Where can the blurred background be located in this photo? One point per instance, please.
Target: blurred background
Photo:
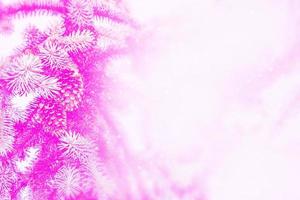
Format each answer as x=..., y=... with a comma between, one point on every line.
x=215, y=96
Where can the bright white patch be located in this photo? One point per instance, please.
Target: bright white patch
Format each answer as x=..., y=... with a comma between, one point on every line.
x=25, y=193
x=22, y=101
x=19, y=106
x=25, y=165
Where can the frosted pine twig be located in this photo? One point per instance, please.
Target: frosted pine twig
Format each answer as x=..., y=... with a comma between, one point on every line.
x=56, y=29
x=80, y=12
x=24, y=74
x=7, y=178
x=48, y=87
x=76, y=146
x=79, y=40
x=6, y=143
x=53, y=55
x=6, y=134
x=67, y=182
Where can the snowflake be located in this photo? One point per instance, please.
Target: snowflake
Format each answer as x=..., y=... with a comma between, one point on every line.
x=67, y=181
x=79, y=40
x=80, y=12
x=76, y=146
x=24, y=74
x=53, y=55
x=7, y=178
x=48, y=87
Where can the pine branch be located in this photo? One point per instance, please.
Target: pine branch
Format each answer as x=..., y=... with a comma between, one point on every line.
x=80, y=12
x=7, y=137
x=67, y=182
x=79, y=40
x=33, y=7
x=6, y=143
x=7, y=179
x=24, y=74
x=56, y=29
x=76, y=146
x=48, y=87
x=110, y=9
x=53, y=55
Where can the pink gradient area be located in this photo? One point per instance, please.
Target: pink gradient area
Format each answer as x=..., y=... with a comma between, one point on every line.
x=218, y=84
x=149, y=100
